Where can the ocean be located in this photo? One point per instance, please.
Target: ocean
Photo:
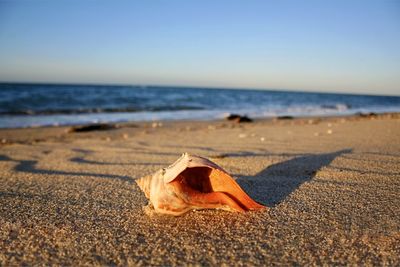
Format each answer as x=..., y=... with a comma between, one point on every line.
x=35, y=105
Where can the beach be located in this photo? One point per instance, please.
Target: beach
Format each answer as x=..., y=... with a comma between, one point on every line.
x=331, y=185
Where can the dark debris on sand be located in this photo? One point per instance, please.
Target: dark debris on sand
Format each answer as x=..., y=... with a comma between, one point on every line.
x=238, y=118
x=92, y=127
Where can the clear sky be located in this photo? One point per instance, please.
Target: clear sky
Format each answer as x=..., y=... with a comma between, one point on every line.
x=339, y=46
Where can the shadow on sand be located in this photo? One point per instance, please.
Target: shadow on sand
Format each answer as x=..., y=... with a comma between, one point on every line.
x=29, y=166
x=276, y=182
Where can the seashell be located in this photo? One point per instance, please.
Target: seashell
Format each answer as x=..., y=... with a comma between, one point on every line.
x=192, y=183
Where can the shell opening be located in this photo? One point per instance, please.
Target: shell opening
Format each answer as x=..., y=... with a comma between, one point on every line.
x=204, y=180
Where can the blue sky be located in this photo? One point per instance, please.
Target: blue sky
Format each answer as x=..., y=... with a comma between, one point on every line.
x=335, y=46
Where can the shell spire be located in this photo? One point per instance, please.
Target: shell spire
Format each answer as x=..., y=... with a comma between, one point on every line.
x=144, y=184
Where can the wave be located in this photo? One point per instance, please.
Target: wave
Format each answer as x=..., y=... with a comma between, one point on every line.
x=21, y=121
x=97, y=110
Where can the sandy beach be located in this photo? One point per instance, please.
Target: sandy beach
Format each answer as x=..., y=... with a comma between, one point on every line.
x=332, y=187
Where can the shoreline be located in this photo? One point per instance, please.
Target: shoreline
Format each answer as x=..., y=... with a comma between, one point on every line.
x=41, y=133
x=200, y=118
x=331, y=186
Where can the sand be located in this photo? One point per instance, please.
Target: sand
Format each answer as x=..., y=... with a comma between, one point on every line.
x=332, y=187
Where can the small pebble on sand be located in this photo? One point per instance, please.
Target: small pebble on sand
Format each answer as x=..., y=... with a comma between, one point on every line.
x=242, y=135
x=329, y=131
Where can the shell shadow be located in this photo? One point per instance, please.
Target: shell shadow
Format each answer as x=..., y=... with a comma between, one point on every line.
x=276, y=182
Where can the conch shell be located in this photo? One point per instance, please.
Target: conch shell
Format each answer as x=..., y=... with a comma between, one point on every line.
x=193, y=182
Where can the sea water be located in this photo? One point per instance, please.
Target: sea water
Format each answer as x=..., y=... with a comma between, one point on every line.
x=33, y=105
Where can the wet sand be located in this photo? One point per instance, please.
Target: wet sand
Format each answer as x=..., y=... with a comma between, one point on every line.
x=332, y=187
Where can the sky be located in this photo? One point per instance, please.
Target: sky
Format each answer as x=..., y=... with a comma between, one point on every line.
x=328, y=46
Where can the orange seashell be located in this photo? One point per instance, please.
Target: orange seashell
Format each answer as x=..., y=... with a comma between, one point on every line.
x=193, y=182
